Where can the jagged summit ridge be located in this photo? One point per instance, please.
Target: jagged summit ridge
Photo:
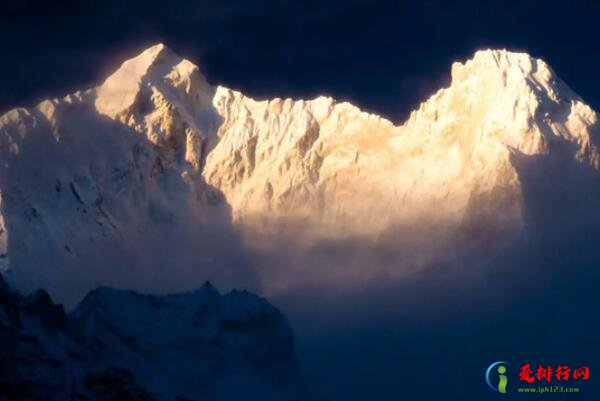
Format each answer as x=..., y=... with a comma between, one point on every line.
x=330, y=162
x=155, y=153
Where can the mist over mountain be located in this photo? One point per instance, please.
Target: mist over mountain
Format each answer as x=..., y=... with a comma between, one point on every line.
x=372, y=236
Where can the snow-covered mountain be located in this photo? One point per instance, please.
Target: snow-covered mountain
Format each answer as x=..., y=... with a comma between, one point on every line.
x=124, y=345
x=156, y=169
x=111, y=177
x=331, y=163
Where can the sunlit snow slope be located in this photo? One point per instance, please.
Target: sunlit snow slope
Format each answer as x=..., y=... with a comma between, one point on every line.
x=155, y=169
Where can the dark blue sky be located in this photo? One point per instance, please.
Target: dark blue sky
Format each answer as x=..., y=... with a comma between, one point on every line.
x=385, y=56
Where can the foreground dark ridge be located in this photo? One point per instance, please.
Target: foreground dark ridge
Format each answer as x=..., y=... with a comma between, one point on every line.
x=120, y=345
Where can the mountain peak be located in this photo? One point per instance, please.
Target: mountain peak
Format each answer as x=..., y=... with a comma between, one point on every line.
x=514, y=98
x=504, y=56
x=119, y=92
x=138, y=65
x=156, y=48
x=504, y=65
